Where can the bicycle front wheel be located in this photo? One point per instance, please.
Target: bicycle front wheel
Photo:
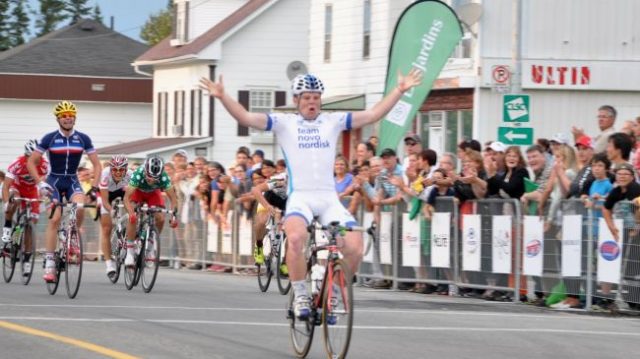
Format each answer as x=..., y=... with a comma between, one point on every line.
x=284, y=284
x=300, y=331
x=31, y=249
x=265, y=271
x=9, y=255
x=337, y=309
x=73, y=263
x=150, y=260
x=118, y=252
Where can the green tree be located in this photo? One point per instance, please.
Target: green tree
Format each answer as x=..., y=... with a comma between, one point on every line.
x=5, y=42
x=52, y=13
x=19, y=24
x=97, y=14
x=77, y=9
x=157, y=27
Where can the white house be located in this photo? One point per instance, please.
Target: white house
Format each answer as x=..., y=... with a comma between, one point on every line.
x=599, y=64
x=86, y=63
x=251, y=43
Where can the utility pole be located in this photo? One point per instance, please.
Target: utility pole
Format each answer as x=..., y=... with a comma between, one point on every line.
x=516, y=48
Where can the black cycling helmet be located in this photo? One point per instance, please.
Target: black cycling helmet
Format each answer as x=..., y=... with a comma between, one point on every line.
x=153, y=167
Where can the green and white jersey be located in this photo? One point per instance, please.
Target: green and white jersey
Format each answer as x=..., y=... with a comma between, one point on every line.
x=139, y=181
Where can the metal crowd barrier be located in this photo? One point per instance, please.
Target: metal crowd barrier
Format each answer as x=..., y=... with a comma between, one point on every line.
x=480, y=245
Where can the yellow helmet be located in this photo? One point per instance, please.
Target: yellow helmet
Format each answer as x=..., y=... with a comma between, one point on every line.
x=64, y=106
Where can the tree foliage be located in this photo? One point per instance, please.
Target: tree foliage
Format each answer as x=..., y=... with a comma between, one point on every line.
x=97, y=14
x=157, y=27
x=19, y=23
x=5, y=42
x=77, y=9
x=52, y=13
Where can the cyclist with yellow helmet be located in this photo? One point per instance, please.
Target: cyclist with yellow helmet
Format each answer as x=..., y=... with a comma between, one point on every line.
x=65, y=147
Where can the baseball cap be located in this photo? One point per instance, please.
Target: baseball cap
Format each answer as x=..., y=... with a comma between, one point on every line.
x=624, y=166
x=413, y=137
x=258, y=153
x=387, y=152
x=181, y=152
x=497, y=146
x=585, y=141
x=559, y=138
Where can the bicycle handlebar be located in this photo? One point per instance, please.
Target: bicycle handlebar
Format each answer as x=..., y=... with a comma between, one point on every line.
x=69, y=205
x=335, y=226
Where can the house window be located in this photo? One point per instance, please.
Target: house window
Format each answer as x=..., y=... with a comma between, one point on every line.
x=196, y=113
x=181, y=21
x=260, y=101
x=178, y=116
x=328, y=23
x=366, y=30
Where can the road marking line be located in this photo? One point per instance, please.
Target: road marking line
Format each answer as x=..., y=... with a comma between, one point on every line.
x=358, y=327
x=67, y=340
x=550, y=315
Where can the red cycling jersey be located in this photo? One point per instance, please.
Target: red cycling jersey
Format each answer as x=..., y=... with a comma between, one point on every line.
x=24, y=183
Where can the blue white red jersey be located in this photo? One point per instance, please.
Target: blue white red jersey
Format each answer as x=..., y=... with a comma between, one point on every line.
x=65, y=153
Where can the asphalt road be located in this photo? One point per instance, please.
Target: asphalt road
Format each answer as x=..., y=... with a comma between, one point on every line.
x=195, y=314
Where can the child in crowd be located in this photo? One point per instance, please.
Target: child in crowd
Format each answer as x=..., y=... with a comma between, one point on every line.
x=440, y=189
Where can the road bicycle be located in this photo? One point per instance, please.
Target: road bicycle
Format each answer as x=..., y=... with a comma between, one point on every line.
x=274, y=249
x=118, y=237
x=17, y=250
x=68, y=256
x=146, y=248
x=331, y=298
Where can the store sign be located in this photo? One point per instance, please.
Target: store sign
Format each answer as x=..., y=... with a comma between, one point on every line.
x=560, y=75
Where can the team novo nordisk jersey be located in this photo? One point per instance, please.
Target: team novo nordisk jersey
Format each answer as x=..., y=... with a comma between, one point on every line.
x=139, y=181
x=309, y=147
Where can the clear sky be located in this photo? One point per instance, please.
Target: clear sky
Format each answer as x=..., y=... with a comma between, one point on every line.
x=129, y=15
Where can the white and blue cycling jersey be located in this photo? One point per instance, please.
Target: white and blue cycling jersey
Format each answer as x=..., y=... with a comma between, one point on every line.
x=309, y=148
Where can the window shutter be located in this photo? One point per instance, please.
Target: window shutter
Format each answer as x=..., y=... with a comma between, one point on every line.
x=243, y=99
x=281, y=98
x=174, y=20
x=186, y=21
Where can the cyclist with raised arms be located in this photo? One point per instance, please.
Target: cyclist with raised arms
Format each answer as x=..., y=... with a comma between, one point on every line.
x=18, y=180
x=308, y=140
x=146, y=186
x=113, y=183
x=65, y=147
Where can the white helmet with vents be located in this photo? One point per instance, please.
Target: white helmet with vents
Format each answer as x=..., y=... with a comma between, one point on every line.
x=306, y=83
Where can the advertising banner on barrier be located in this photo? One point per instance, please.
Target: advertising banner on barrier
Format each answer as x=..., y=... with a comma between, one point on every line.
x=441, y=240
x=533, y=245
x=572, y=245
x=244, y=236
x=367, y=219
x=501, y=244
x=471, y=248
x=385, y=237
x=226, y=234
x=212, y=236
x=426, y=34
x=609, y=252
x=410, y=241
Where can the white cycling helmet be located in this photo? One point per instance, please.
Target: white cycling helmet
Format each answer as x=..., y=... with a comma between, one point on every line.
x=306, y=83
x=30, y=146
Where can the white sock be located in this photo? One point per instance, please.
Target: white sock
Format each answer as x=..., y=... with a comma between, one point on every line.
x=300, y=288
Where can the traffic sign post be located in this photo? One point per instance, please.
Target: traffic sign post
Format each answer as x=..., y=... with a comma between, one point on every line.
x=515, y=108
x=522, y=136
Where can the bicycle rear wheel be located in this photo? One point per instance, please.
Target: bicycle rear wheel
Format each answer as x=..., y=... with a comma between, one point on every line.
x=337, y=309
x=150, y=260
x=300, y=331
x=117, y=254
x=284, y=284
x=265, y=271
x=52, y=287
x=73, y=263
x=26, y=277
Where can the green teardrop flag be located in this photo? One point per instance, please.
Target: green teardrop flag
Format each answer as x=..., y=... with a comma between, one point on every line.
x=425, y=36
